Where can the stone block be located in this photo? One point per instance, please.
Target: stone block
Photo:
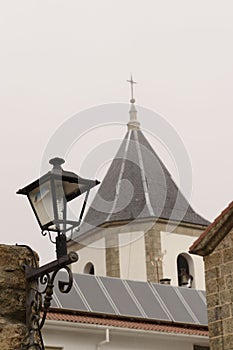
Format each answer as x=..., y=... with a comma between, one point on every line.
x=226, y=268
x=225, y=296
x=213, y=260
x=211, y=314
x=228, y=326
x=12, y=335
x=212, y=286
x=226, y=311
x=219, y=312
x=216, y=343
x=228, y=255
x=228, y=342
x=215, y=329
x=212, y=273
x=221, y=284
x=212, y=300
x=229, y=281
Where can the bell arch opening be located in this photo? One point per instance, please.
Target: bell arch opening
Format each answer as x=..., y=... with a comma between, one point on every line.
x=89, y=269
x=185, y=270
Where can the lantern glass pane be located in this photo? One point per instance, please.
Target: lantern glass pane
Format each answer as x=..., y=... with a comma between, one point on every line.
x=60, y=199
x=71, y=189
x=41, y=199
x=60, y=204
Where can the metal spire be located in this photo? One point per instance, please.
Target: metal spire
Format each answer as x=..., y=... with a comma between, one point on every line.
x=133, y=124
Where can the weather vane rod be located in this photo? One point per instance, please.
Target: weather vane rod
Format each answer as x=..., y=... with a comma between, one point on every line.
x=132, y=82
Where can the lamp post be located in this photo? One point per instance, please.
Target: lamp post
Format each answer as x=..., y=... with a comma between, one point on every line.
x=48, y=197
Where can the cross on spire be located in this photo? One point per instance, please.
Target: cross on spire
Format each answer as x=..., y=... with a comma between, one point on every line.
x=133, y=124
x=131, y=81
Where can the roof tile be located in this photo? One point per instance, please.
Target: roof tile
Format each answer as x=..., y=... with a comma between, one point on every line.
x=125, y=323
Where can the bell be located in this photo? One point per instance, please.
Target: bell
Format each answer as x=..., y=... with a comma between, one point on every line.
x=184, y=277
x=184, y=280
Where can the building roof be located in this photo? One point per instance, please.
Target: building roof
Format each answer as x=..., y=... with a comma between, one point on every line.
x=138, y=186
x=214, y=233
x=66, y=316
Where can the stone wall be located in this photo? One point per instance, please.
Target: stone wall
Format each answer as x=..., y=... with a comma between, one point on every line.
x=112, y=256
x=219, y=292
x=12, y=296
x=154, y=266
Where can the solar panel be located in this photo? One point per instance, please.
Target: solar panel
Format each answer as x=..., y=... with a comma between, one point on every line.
x=148, y=300
x=174, y=304
x=55, y=301
x=71, y=301
x=94, y=294
x=203, y=295
x=195, y=302
x=107, y=295
x=121, y=297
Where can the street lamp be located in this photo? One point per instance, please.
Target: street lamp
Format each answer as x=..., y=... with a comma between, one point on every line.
x=48, y=197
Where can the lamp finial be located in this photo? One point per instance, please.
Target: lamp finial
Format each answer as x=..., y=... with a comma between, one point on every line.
x=56, y=162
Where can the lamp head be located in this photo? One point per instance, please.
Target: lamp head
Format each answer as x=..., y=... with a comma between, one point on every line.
x=49, y=195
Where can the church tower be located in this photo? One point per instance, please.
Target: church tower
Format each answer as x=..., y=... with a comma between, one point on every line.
x=139, y=225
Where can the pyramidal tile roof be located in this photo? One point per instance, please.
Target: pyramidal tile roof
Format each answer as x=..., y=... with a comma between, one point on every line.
x=138, y=186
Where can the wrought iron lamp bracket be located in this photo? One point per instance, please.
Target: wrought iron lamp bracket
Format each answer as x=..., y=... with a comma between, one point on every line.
x=39, y=301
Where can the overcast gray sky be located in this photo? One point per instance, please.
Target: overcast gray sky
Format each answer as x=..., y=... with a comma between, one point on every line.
x=61, y=57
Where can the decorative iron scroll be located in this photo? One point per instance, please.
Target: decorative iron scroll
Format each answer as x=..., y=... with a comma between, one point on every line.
x=40, y=287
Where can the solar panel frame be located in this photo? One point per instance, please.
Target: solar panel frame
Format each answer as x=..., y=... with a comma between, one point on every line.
x=174, y=304
x=148, y=300
x=94, y=295
x=121, y=297
x=195, y=303
x=71, y=301
x=203, y=295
